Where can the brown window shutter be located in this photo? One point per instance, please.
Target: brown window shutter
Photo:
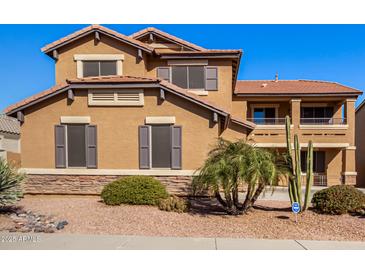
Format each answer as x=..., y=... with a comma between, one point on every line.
x=91, y=146
x=176, y=147
x=211, y=78
x=163, y=73
x=60, y=146
x=144, y=147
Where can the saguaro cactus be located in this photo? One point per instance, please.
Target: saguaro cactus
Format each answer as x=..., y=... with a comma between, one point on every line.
x=309, y=175
x=294, y=184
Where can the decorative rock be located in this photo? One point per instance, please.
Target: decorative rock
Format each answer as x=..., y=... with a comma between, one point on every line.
x=39, y=229
x=49, y=230
x=61, y=224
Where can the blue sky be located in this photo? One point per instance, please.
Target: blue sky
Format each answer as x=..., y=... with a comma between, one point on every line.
x=320, y=52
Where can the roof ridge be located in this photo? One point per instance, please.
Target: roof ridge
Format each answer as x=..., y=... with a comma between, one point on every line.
x=166, y=35
x=95, y=27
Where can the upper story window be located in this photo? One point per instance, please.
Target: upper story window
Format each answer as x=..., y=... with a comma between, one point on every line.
x=99, y=68
x=99, y=64
x=317, y=115
x=198, y=77
x=188, y=77
x=265, y=114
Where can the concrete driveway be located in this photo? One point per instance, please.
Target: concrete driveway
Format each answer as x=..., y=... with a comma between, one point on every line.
x=34, y=241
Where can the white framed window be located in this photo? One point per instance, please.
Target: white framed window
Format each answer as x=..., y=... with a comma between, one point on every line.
x=120, y=97
x=99, y=64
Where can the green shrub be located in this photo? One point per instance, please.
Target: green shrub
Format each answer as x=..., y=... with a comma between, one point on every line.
x=339, y=199
x=10, y=180
x=136, y=190
x=173, y=203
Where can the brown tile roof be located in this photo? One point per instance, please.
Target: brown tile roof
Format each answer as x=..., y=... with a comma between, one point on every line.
x=35, y=97
x=127, y=79
x=163, y=34
x=90, y=29
x=238, y=120
x=111, y=79
x=9, y=125
x=291, y=87
x=202, y=52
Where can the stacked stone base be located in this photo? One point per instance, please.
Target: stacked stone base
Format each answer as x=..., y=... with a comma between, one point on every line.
x=93, y=184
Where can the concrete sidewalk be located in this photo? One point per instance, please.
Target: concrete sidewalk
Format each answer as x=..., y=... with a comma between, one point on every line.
x=33, y=241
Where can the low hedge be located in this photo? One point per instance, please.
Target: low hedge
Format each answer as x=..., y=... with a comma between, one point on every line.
x=339, y=199
x=174, y=203
x=136, y=190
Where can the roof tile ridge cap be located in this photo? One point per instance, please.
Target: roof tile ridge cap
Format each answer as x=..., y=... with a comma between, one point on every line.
x=38, y=95
x=164, y=33
x=127, y=37
x=62, y=39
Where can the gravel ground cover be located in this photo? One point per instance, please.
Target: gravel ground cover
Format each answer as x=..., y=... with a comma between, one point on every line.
x=268, y=220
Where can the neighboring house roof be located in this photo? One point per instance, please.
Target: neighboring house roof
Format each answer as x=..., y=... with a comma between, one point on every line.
x=166, y=36
x=159, y=83
x=291, y=87
x=361, y=105
x=95, y=28
x=9, y=125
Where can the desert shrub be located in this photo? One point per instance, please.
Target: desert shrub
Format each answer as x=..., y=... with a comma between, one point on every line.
x=10, y=180
x=136, y=190
x=339, y=199
x=173, y=203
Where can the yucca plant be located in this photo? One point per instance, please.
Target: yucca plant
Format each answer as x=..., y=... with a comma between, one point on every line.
x=10, y=183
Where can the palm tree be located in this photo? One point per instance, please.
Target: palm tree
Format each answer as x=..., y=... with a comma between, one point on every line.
x=230, y=166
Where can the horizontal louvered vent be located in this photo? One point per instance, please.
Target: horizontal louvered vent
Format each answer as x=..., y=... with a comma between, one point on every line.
x=103, y=97
x=127, y=97
x=130, y=97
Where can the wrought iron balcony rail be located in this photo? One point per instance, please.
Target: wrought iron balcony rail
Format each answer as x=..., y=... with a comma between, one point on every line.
x=323, y=121
x=267, y=121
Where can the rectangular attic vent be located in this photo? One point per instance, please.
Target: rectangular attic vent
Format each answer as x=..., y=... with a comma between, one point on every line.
x=122, y=97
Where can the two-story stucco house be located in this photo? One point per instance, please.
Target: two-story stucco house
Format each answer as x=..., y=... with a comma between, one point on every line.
x=154, y=104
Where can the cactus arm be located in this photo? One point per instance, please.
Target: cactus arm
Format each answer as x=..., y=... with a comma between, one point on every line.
x=291, y=185
x=309, y=182
x=298, y=172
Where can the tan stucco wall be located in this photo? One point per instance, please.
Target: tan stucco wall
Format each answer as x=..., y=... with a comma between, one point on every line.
x=360, y=146
x=117, y=130
x=66, y=65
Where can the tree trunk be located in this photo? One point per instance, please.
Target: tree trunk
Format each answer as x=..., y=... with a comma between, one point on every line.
x=235, y=197
x=251, y=202
x=248, y=197
x=230, y=208
x=220, y=199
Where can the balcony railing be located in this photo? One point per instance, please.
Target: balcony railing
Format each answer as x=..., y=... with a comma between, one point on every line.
x=318, y=179
x=267, y=121
x=322, y=121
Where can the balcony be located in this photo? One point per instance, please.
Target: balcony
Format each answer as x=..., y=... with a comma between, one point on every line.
x=323, y=121
x=267, y=121
x=318, y=179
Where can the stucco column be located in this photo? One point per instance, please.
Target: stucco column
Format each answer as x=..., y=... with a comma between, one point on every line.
x=350, y=120
x=348, y=154
x=337, y=110
x=295, y=113
x=349, y=166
